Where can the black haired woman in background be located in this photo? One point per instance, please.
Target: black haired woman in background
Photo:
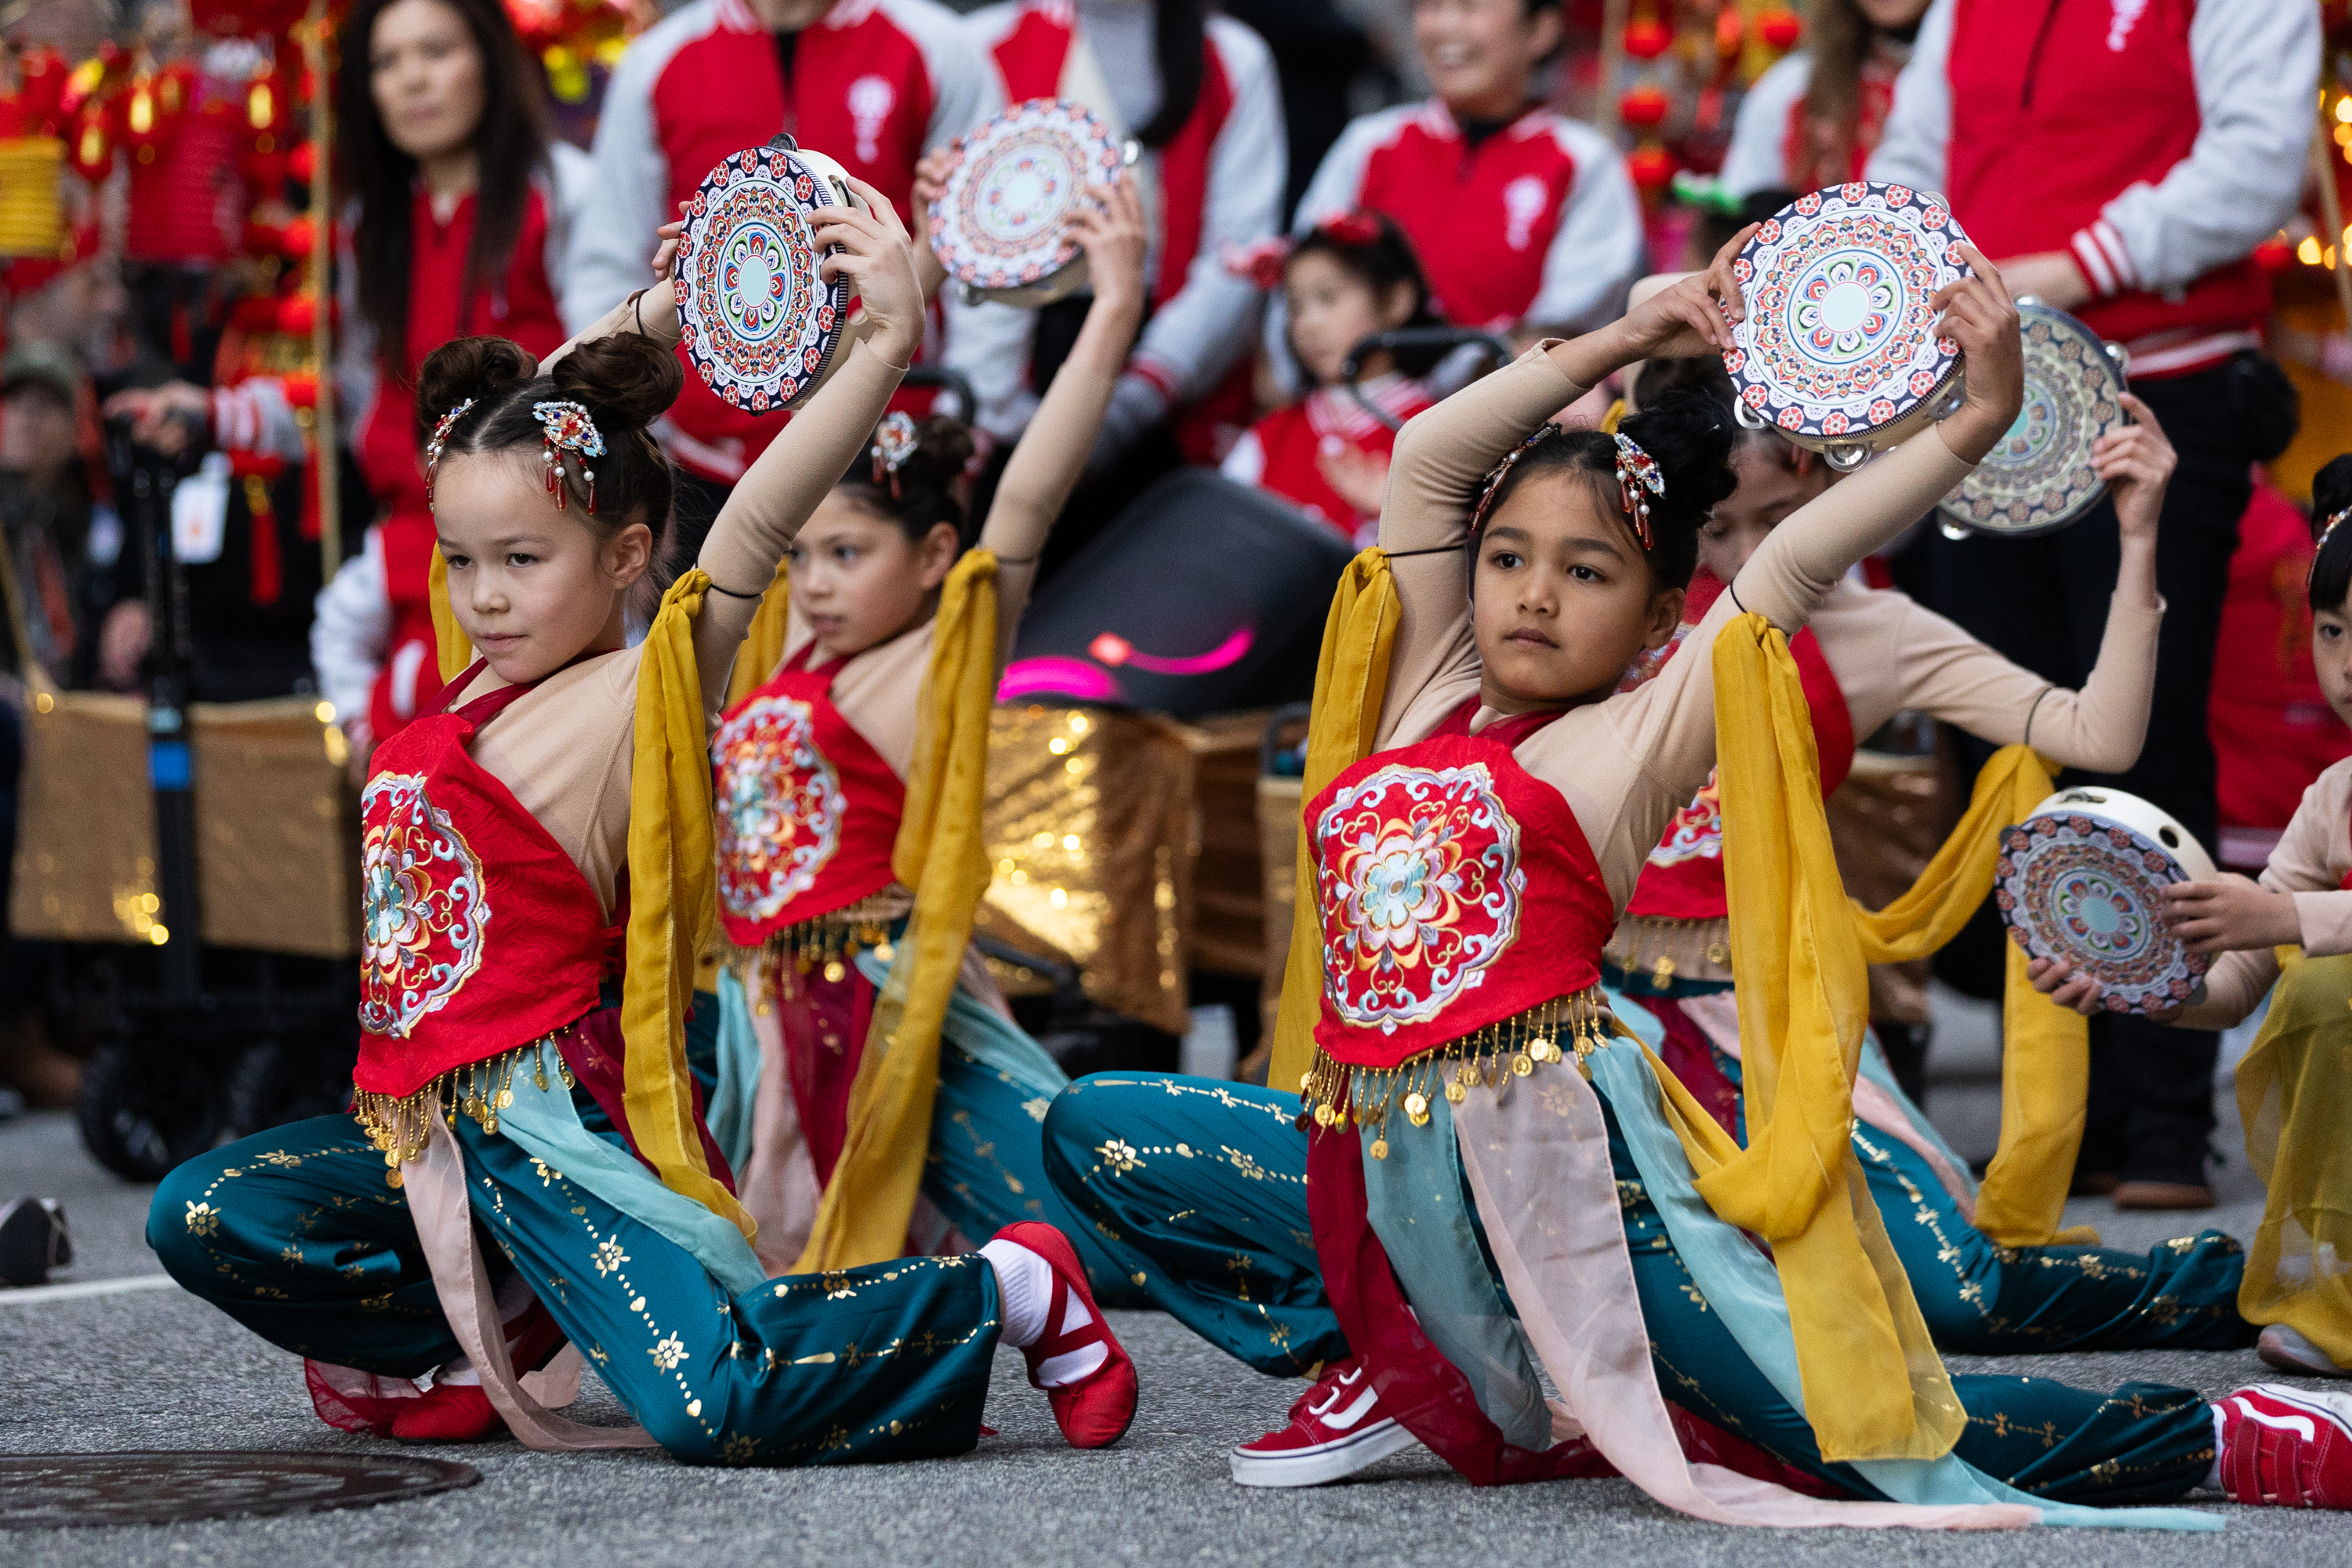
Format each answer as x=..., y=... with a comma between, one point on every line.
x=444, y=145
x=1327, y=454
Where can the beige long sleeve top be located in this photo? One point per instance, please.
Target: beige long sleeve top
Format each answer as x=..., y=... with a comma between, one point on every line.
x=2313, y=858
x=1626, y=763
x=565, y=749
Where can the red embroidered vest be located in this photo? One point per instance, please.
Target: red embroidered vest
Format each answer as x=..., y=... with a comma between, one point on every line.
x=1683, y=878
x=808, y=812
x=1456, y=891
x=478, y=932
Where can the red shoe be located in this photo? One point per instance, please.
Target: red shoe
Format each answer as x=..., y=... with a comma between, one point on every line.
x=2288, y=1448
x=462, y=1412
x=1336, y=1429
x=1095, y=1411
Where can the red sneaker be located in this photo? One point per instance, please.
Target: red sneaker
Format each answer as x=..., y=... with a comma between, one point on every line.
x=1336, y=1429
x=1095, y=1411
x=462, y=1412
x=2287, y=1447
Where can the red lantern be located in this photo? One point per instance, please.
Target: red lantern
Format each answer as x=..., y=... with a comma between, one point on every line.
x=298, y=313
x=294, y=239
x=90, y=142
x=1730, y=32
x=1652, y=166
x=1779, y=28
x=1642, y=107
x=44, y=72
x=1646, y=38
x=300, y=162
x=255, y=314
x=302, y=389
x=2274, y=255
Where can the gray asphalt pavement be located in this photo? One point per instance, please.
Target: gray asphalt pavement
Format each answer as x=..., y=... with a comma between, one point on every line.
x=152, y=1368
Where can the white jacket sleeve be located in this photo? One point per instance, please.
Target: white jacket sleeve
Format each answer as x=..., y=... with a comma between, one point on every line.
x=1913, y=151
x=1207, y=325
x=2257, y=63
x=611, y=243
x=1757, y=159
x=1596, y=253
x=353, y=631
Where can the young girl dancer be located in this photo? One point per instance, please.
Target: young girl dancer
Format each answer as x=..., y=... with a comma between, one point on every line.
x=1866, y=654
x=812, y=783
x=2288, y=937
x=1327, y=454
x=1501, y=843
x=559, y=797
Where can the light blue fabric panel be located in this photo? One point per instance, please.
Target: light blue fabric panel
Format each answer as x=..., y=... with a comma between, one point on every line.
x=738, y=1073
x=1740, y=1284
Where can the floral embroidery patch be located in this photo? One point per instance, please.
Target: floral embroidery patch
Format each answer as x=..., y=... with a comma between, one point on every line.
x=423, y=906
x=779, y=805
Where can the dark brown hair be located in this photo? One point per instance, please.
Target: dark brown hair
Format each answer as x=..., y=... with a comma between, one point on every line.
x=930, y=487
x=511, y=145
x=1837, y=39
x=2331, y=568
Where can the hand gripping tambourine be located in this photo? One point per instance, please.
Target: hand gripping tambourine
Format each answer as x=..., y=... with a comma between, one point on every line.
x=760, y=325
x=2082, y=879
x=1838, y=350
x=2038, y=477
x=1001, y=225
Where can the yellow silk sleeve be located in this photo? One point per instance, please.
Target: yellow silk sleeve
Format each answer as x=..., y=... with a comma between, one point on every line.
x=764, y=641
x=451, y=651
x=2293, y=1088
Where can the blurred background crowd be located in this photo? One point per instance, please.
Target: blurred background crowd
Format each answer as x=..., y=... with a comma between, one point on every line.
x=210, y=491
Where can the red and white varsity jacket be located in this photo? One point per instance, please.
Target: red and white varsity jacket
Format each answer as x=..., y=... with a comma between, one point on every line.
x=1220, y=184
x=1282, y=452
x=1537, y=224
x=875, y=85
x=2158, y=140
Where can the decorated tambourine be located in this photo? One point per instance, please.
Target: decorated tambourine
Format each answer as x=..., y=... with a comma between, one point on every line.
x=1839, y=351
x=2038, y=477
x=760, y=326
x=2082, y=880
x=1001, y=225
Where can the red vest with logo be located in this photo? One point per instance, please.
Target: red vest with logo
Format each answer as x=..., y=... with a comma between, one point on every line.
x=1456, y=891
x=807, y=810
x=478, y=932
x=2057, y=106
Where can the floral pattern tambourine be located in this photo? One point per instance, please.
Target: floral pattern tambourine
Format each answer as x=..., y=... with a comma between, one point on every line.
x=1839, y=337
x=423, y=906
x=760, y=325
x=2040, y=477
x=1001, y=219
x=2087, y=888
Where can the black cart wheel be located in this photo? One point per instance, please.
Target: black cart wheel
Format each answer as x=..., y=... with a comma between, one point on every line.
x=272, y=1083
x=143, y=1113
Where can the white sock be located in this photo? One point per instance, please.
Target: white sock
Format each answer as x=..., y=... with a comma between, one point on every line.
x=2212, y=1482
x=1026, y=1281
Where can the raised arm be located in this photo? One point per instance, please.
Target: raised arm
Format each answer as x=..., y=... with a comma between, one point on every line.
x=783, y=486
x=1045, y=466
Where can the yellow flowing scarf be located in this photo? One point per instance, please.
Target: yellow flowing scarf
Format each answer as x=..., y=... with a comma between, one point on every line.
x=2292, y=1088
x=941, y=855
x=764, y=641
x=1352, y=682
x=1874, y=1387
x=672, y=876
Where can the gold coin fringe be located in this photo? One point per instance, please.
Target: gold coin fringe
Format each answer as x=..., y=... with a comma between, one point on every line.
x=827, y=945
x=1335, y=1093
x=1674, y=948
x=400, y=1124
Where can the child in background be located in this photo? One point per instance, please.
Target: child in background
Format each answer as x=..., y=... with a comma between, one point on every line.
x=1345, y=279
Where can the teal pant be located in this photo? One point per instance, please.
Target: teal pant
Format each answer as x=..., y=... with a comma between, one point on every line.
x=296, y=1234
x=1168, y=1167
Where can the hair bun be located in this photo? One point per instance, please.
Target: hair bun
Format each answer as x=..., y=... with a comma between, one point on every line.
x=467, y=367
x=2331, y=491
x=1689, y=434
x=623, y=377
x=943, y=450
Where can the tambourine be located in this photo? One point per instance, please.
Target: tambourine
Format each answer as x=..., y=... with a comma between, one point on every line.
x=1839, y=351
x=2038, y=477
x=759, y=324
x=1001, y=225
x=2082, y=880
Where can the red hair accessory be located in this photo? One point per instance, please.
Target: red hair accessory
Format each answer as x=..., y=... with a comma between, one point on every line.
x=565, y=426
x=433, y=448
x=1352, y=229
x=1502, y=470
x=1262, y=262
x=2325, y=529
x=1637, y=471
x=894, y=443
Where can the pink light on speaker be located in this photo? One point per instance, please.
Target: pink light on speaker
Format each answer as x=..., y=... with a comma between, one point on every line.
x=1114, y=650
x=1071, y=679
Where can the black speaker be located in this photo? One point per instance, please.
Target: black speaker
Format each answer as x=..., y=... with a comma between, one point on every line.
x=1202, y=596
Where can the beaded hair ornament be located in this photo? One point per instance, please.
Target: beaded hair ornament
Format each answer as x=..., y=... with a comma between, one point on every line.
x=894, y=443
x=567, y=429
x=1636, y=471
x=2325, y=529
x=433, y=448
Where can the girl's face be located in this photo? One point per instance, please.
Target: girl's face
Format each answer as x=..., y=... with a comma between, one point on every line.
x=426, y=76
x=1332, y=309
x=2331, y=651
x=532, y=587
x=858, y=580
x=1768, y=493
x=1561, y=597
x=1481, y=54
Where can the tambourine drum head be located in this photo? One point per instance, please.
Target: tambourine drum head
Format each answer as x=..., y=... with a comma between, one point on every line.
x=759, y=323
x=2081, y=880
x=1001, y=218
x=2040, y=476
x=1839, y=338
